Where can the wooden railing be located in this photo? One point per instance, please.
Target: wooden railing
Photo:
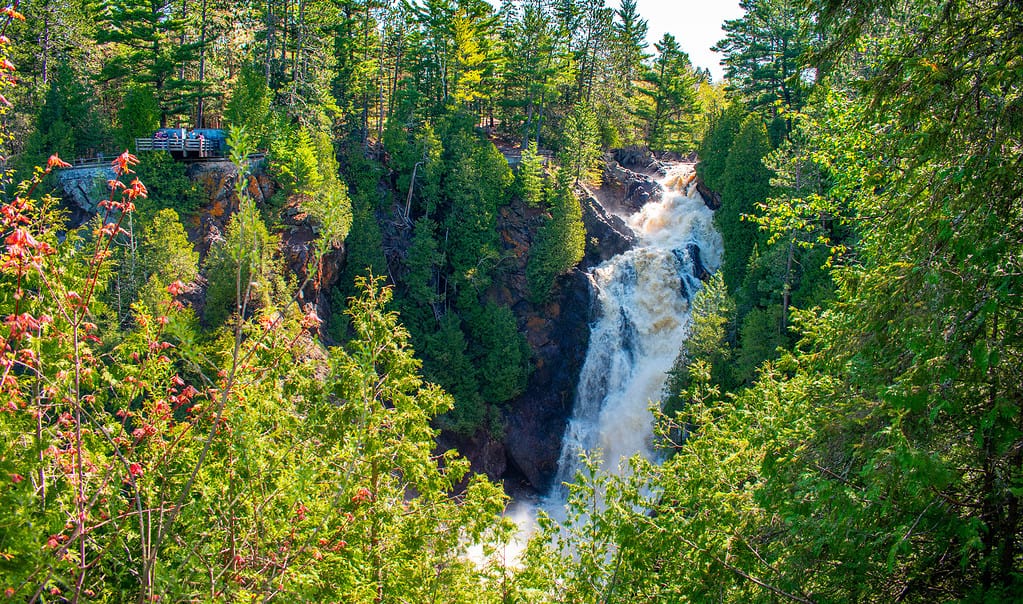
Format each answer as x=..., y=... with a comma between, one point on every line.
x=188, y=147
x=99, y=161
x=514, y=156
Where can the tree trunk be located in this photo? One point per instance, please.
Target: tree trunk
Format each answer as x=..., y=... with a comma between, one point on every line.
x=200, y=104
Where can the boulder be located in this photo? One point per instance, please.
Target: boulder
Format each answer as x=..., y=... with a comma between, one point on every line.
x=632, y=190
x=711, y=198
x=607, y=235
x=634, y=158
x=699, y=270
x=82, y=189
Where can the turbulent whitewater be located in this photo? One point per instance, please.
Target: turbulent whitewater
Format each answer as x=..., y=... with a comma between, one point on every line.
x=642, y=320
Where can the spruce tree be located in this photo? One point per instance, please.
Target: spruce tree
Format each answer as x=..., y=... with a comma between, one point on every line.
x=744, y=183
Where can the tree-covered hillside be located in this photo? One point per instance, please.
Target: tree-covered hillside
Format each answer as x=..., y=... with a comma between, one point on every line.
x=188, y=412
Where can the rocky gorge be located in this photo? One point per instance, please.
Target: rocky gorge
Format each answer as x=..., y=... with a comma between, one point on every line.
x=525, y=452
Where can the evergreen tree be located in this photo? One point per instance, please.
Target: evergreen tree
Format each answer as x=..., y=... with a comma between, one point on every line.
x=530, y=176
x=166, y=256
x=146, y=47
x=67, y=123
x=745, y=183
x=139, y=115
x=560, y=243
x=671, y=90
x=241, y=268
x=500, y=353
x=580, y=156
x=764, y=56
x=249, y=105
x=715, y=146
x=447, y=362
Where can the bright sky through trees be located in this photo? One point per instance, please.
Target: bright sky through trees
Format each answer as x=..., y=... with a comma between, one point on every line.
x=696, y=24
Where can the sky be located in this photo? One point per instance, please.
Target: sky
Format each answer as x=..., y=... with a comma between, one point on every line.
x=696, y=24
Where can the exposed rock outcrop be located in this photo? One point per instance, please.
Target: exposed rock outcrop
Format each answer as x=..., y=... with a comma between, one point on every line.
x=711, y=198
x=631, y=189
x=82, y=189
x=535, y=423
x=607, y=235
x=217, y=179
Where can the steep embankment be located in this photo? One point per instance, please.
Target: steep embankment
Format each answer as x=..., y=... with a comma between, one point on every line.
x=526, y=451
x=82, y=189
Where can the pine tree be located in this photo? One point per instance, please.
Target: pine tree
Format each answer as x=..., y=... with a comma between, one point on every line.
x=67, y=123
x=560, y=243
x=671, y=85
x=145, y=41
x=764, y=56
x=744, y=183
x=530, y=176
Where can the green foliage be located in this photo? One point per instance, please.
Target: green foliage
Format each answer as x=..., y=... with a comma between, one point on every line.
x=418, y=150
x=139, y=115
x=249, y=105
x=241, y=269
x=293, y=162
x=875, y=458
x=764, y=53
x=580, y=155
x=424, y=258
x=560, y=243
x=671, y=96
x=256, y=446
x=66, y=123
x=447, y=362
x=144, y=39
x=530, y=176
x=364, y=245
x=166, y=256
x=471, y=223
x=329, y=205
x=714, y=147
x=744, y=184
x=169, y=186
x=500, y=353
x=713, y=315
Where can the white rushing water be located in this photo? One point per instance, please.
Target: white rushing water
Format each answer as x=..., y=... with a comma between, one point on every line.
x=642, y=320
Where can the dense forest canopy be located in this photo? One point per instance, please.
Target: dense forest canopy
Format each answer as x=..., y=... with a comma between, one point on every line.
x=190, y=414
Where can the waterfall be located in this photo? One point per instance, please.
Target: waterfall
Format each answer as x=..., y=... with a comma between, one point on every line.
x=642, y=320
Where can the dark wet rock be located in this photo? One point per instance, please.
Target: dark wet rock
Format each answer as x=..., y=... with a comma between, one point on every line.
x=81, y=190
x=485, y=452
x=607, y=235
x=711, y=198
x=699, y=270
x=634, y=158
x=535, y=422
x=631, y=189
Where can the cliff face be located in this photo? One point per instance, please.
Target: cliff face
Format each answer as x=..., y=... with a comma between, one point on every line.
x=526, y=453
x=83, y=188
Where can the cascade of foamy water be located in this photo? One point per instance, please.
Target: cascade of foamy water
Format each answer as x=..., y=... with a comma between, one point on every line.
x=643, y=318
